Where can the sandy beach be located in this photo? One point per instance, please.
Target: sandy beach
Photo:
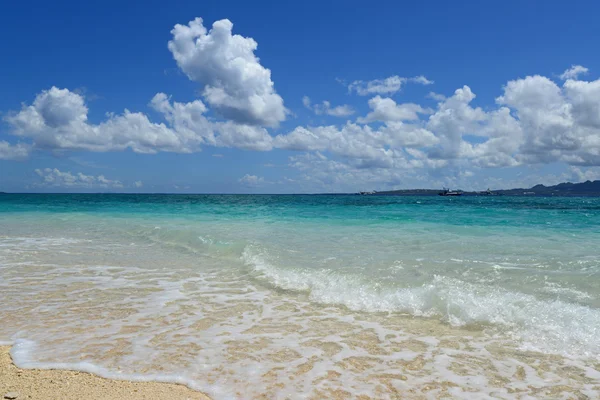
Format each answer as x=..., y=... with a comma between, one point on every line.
x=56, y=384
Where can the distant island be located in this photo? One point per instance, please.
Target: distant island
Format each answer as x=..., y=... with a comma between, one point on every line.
x=587, y=188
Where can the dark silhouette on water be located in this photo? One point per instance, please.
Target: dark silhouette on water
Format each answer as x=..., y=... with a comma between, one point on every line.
x=448, y=192
x=587, y=188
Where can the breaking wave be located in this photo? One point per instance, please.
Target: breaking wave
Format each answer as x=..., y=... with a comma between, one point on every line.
x=542, y=325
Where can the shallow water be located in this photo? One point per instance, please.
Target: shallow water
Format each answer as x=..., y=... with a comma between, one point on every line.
x=308, y=296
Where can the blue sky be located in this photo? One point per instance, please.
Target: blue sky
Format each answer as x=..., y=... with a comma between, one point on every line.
x=337, y=96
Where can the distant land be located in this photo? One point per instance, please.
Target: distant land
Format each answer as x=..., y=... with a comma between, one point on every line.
x=587, y=188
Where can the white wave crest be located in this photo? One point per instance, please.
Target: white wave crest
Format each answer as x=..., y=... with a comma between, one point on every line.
x=548, y=326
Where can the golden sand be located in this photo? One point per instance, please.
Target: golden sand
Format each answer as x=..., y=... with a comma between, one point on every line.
x=66, y=385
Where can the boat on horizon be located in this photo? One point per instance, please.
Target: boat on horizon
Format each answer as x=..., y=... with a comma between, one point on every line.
x=449, y=192
x=487, y=192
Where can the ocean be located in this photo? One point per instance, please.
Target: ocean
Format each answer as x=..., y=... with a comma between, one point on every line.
x=308, y=296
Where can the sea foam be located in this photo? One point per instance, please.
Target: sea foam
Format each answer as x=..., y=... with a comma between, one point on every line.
x=542, y=325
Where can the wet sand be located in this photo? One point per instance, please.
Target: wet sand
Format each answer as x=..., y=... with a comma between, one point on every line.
x=57, y=384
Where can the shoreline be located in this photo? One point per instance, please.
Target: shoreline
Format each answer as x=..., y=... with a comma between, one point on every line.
x=34, y=384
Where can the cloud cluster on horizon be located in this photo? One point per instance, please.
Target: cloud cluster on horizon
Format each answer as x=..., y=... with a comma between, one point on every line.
x=535, y=121
x=53, y=177
x=252, y=180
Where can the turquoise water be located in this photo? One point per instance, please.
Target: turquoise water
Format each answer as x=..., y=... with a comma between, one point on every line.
x=270, y=285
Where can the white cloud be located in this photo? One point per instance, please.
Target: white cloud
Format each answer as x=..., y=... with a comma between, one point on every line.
x=319, y=173
x=504, y=136
x=584, y=98
x=386, y=109
x=536, y=120
x=574, y=72
x=245, y=137
x=53, y=177
x=400, y=135
x=337, y=111
x=18, y=151
x=57, y=119
x=544, y=116
x=584, y=174
x=422, y=80
x=363, y=145
x=235, y=83
x=326, y=108
x=378, y=86
x=252, y=180
x=436, y=96
x=385, y=86
x=138, y=184
x=188, y=123
x=185, y=118
x=306, y=102
x=454, y=118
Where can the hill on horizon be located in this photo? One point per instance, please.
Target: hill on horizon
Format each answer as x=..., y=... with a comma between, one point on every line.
x=587, y=188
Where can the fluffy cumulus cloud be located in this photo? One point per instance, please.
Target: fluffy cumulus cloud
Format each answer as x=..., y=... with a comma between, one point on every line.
x=544, y=116
x=454, y=118
x=556, y=123
x=245, y=137
x=361, y=145
x=13, y=152
x=386, y=109
x=585, y=106
x=535, y=120
x=326, y=108
x=57, y=120
x=385, y=86
x=234, y=82
x=53, y=177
